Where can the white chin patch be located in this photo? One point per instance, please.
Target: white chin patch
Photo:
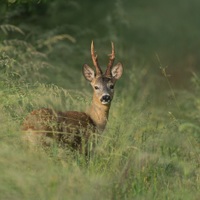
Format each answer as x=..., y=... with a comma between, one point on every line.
x=105, y=102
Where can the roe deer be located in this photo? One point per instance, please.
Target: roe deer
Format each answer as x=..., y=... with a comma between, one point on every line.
x=45, y=125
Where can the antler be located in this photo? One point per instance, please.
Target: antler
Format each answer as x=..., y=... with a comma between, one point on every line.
x=111, y=61
x=95, y=60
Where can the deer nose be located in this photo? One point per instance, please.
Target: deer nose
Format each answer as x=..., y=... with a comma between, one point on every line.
x=105, y=99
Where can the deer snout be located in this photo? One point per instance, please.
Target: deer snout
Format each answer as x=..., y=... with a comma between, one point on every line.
x=105, y=99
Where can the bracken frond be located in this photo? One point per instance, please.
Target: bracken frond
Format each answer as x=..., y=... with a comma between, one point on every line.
x=55, y=39
x=6, y=28
x=18, y=43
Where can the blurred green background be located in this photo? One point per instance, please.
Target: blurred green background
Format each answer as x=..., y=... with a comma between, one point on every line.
x=149, y=33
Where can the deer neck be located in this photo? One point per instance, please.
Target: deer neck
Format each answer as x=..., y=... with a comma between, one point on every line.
x=99, y=114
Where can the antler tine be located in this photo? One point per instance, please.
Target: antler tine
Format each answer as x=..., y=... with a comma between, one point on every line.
x=95, y=60
x=111, y=61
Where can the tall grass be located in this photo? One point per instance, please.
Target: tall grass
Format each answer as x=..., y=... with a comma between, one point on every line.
x=145, y=152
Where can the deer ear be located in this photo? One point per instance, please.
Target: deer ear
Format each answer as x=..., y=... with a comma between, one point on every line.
x=88, y=72
x=117, y=71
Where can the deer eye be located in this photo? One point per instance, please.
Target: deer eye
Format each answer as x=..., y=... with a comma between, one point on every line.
x=111, y=87
x=96, y=87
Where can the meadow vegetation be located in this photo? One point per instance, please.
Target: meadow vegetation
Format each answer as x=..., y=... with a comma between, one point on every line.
x=151, y=146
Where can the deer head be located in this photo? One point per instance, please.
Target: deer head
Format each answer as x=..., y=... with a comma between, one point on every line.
x=103, y=83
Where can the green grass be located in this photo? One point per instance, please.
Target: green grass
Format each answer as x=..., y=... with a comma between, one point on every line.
x=151, y=146
x=145, y=152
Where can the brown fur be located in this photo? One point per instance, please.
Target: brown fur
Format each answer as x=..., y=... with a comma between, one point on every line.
x=67, y=128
